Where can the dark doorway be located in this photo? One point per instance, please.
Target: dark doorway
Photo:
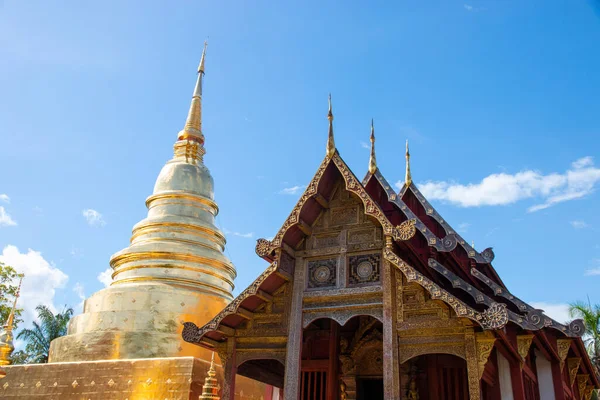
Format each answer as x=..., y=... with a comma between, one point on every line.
x=369, y=389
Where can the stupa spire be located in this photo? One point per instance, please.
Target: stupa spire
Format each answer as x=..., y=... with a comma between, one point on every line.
x=192, y=129
x=6, y=335
x=408, y=177
x=210, y=389
x=330, y=139
x=372, y=159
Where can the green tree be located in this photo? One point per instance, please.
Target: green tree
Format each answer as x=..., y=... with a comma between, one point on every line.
x=8, y=290
x=591, y=318
x=38, y=339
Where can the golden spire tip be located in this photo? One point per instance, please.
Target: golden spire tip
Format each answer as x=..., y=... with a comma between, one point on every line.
x=372, y=159
x=330, y=139
x=408, y=177
x=201, y=65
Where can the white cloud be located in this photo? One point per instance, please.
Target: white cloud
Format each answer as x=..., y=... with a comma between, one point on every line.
x=248, y=235
x=463, y=227
x=292, y=190
x=503, y=189
x=578, y=224
x=93, y=217
x=468, y=7
x=365, y=145
x=583, y=162
x=557, y=311
x=40, y=282
x=79, y=290
x=4, y=198
x=594, y=271
x=105, y=277
x=76, y=252
x=6, y=219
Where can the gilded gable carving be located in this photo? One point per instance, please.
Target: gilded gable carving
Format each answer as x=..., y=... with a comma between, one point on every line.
x=344, y=216
x=364, y=269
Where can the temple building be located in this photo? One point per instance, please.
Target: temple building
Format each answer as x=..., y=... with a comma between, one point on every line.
x=370, y=294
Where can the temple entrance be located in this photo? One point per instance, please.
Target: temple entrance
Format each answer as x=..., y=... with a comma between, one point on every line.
x=342, y=361
x=435, y=377
x=369, y=388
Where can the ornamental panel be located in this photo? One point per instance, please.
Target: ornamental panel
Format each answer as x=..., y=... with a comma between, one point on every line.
x=322, y=273
x=364, y=269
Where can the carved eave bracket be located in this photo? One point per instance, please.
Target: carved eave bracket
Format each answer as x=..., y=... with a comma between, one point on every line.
x=192, y=334
x=523, y=345
x=534, y=319
x=563, y=346
x=582, y=380
x=494, y=317
x=573, y=367
x=485, y=344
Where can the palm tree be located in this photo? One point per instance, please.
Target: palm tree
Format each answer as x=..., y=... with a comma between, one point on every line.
x=591, y=319
x=38, y=339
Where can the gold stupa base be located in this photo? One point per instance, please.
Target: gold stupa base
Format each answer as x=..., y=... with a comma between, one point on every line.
x=174, y=378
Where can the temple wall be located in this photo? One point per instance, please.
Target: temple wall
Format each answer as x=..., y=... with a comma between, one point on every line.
x=175, y=378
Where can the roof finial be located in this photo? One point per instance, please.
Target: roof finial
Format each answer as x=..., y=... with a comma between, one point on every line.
x=210, y=389
x=330, y=140
x=193, y=124
x=408, y=177
x=372, y=159
x=6, y=335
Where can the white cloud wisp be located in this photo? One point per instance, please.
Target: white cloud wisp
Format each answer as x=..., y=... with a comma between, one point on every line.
x=93, y=217
x=105, y=277
x=6, y=219
x=502, y=189
x=292, y=190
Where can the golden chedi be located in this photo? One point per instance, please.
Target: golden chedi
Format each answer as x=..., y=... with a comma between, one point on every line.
x=174, y=270
x=210, y=389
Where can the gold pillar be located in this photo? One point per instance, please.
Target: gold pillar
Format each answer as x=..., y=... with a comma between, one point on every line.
x=472, y=364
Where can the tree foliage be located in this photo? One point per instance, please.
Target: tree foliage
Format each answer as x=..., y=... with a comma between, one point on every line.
x=50, y=327
x=591, y=318
x=8, y=290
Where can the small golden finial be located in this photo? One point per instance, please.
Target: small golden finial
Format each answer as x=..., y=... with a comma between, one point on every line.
x=6, y=335
x=201, y=65
x=193, y=124
x=408, y=177
x=330, y=140
x=210, y=389
x=372, y=159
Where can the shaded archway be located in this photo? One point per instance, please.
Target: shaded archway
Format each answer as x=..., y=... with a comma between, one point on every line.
x=435, y=377
x=342, y=361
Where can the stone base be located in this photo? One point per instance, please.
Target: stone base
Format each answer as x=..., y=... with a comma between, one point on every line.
x=175, y=378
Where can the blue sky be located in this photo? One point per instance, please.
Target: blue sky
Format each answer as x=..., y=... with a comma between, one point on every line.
x=499, y=100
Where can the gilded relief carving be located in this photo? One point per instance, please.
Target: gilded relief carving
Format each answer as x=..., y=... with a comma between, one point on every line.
x=364, y=269
x=573, y=366
x=344, y=216
x=563, y=346
x=485, y=345
x=322, y=273
x=523, y=344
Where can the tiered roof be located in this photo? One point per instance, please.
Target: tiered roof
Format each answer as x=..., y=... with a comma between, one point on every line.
x=434, y=255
